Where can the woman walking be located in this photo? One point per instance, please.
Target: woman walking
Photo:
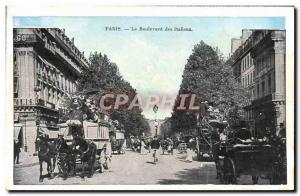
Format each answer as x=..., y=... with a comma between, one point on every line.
x=143, y=147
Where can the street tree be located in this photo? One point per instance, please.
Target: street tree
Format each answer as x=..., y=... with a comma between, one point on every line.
x=207, y=75
x=104, y=77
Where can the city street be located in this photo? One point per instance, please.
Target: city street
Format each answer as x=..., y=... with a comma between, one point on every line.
x=132, y=169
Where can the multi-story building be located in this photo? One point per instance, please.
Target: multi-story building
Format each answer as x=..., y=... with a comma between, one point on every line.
x=261, y=61
x=46, y=67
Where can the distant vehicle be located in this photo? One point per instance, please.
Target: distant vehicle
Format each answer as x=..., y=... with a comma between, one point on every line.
x=182, y=147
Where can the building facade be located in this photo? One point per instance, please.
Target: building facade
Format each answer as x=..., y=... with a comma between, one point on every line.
x=46, y=67
x=261, y=61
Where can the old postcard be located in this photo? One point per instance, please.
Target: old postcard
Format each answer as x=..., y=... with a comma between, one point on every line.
x=150, y=98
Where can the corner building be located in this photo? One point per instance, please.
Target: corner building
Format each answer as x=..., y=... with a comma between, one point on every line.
x=46, y=67
x=259, y=64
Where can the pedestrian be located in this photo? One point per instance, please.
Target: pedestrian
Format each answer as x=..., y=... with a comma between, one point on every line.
x=170, y=146
x=124, y=146
x=189, y=152
x=155, y=146
x=143, y=148
x=105, y=158
x=16, y=151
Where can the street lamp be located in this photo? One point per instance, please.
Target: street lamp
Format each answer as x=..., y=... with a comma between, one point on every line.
x=156, y=126
x=25, y=134
x=37, y=89
x=155, y=109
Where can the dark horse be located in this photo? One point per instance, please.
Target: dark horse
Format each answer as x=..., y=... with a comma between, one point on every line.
x=87, y=152
x=66, y=159
x=47, y=151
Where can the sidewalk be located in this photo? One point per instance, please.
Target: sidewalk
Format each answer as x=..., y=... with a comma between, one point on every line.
x=27, y=160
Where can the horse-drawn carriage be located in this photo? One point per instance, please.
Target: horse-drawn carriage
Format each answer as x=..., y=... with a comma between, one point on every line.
x=167, y=145
x=118, y=147
x=118, y=142
x=256, y=160
x=254, y=157
x=208, y=135
x=81, y=142
x=96, y=134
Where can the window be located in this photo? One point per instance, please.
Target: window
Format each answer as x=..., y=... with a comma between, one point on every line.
x=248, y=81
x=16, y=85
x=46, y=93
x=16, y=70
x=269, y=85
x=272, y=60
x=243, y=65
x=248, y=60
x=50, y=95
x=263, y=88
x=273, y=82
x=257, y=91
x=41, y=93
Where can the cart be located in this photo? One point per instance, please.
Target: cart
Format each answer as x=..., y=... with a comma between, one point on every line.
x=254, y=159
x=118, y=143
x=97, y=133
x=208, y=136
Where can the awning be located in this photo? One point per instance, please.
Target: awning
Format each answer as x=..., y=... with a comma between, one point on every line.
x=43, y=131
x=17, y=129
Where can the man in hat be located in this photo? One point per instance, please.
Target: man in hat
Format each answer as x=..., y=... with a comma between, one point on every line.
x=155, y=146
x=16, y=151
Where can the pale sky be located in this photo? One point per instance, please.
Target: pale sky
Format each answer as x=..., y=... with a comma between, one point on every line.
x=152, y=62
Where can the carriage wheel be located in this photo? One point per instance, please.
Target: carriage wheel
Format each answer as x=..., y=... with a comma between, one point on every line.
x=275, y=176
x=255, y=179
x=220, y=174
x=229, y=171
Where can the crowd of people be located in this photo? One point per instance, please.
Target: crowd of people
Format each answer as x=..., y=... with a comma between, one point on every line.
x=159, y=146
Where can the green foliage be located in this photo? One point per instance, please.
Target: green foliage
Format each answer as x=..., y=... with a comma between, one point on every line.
x=211, y=79
x=104, y=76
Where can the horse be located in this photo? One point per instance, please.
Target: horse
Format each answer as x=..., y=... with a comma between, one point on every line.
x=87, y=151
x=66, y=159
x=47, y=152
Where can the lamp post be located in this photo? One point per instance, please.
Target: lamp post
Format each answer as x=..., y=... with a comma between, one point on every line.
x=155, y=109
x=156, y=127
x=37, y=89
x=277, y=114
x=25, y=134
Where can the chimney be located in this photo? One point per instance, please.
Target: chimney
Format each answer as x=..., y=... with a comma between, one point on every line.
x=72, y=40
